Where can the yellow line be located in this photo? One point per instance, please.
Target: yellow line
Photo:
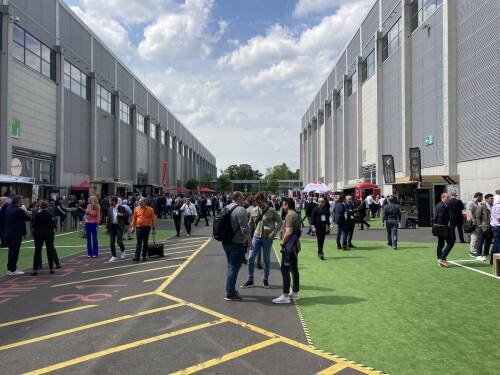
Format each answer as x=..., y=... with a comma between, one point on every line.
x=88, y=326
x=127, y=266
x=156, y=278
x=226, y=357
x=46, y=315
x=179, y=270
x=120, y=348
x=333, y=369
x=185, y=246
x=109, y=277
x=136, y=296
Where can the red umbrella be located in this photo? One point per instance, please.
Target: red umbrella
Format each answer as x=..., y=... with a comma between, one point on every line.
x=205, y=190
x=179, y=188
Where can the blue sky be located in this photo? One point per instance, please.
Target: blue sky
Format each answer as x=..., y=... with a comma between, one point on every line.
x=239, y=74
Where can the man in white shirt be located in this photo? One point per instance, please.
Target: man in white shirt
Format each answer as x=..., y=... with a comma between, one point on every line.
x=190, y=213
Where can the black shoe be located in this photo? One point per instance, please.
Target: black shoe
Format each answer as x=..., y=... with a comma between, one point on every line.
x=266, y=284
x=351, y=246
x=339, y=247
x=248, y=284
x=58, y=266
x=461, y=241
x=259, y=266
x=52, y=272
x=135, y=259
x=144, y=259
x=195, y=224
x=207, y=225
x=34, y=273
x=234, y=297
x=321, y=256
x=245, y=261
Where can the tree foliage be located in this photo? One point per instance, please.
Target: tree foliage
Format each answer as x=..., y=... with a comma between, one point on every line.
x=224, y=182
x=281, y=172
x=206, y=180
x=191, y=184
x=242, y=172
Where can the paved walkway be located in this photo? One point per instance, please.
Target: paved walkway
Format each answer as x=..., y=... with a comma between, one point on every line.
x=166, y=315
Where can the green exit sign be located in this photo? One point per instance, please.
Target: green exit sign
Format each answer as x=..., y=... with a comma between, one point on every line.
x=16, y=128
x=363, y=155
x=428, y=140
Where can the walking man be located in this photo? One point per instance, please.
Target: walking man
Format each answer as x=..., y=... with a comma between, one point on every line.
x=235, y=249
x=456, y=219
x=320, y=220
x=15, y=230
x=116, y=221
x=392, y=217
x=310, y=204
x=144, y=220
x=340, y=220
x=443, y=218
x=190, y=213
x=290, y=248
x=266, y=223
x=203, y=211
x=44, y=226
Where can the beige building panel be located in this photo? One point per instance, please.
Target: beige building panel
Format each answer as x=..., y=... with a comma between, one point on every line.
x=369, y=120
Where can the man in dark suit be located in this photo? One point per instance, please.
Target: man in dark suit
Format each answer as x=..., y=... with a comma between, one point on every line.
x=203, y=211
x=15, y=230
x=44, y=226
x=455, y=207
x=116, y=221
x=340, y=220
x=273, y=203
x=320, y=220
x=443, y=218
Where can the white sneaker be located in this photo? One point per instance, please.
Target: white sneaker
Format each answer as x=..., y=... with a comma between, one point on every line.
x=112, y=259
x=481, y=257
x=281, y=299
x=123, y=255
x=15, y=273
x=293, y=295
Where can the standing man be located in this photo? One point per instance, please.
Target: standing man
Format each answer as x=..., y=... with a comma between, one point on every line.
x=309, y=209
x=168, y=206
x=274, y=202
x=320, y=220
x=340, y=220
x=443, y=218
x=370, y=203
x=483, y=217
x=350, y=210
x=266, y=224
x=144, y=220
x=235, y=249
x=190, y=213
x=116, y=221
x=203, y=211
x=471, y=215
x=392, y=217
x=44, y=226
x=290, y=248
x=15, y=230
x=456, y=220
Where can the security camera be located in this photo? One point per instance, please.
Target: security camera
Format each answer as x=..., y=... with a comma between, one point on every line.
x=16, y=19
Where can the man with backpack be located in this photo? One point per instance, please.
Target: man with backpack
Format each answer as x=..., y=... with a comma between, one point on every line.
x=232, y=229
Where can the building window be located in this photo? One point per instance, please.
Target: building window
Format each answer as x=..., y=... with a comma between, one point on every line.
x=391, y=41
x=352, y=84
x=368, y=66
x=76, y=81
x=339, y=98
x=421, y=10
x=370, y=173
x=125, y=112
x=170, y=142
x=179, y=147
x=328, y=109
x=162, y=137
x=31, y=52
x=152, y=131
x=140, y=123
x=105, y=100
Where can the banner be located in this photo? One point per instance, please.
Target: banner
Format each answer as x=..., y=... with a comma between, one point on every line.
x=415, y=165
x=165, y=174
x=389, y=170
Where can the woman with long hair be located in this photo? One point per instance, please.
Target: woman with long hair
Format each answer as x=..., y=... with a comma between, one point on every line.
x=92, y=217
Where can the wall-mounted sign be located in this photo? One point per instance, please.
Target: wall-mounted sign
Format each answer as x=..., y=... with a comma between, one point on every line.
x=363, y=155
x=16, y=168
x=415, y=165
x=389, y=170
x=16, y=128
x=428, y=140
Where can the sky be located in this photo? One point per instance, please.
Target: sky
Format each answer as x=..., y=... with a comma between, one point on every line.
x=239, y=74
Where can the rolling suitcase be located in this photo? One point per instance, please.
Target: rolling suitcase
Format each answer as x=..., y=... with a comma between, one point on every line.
x=155, y=248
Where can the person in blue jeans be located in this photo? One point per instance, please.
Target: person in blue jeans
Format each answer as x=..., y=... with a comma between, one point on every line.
x=392, y=216
x=92, y=217
x=235, y=248
x=495, y=225
x=265, y=224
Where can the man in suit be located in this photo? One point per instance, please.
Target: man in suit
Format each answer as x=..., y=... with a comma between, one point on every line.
x=44, y=226
x=455, y=207
x=15, y=230
x=443, y=218
x=116, y=221
x=341, y=221
x=273, y=203
x=320, y=220
x=203, y=211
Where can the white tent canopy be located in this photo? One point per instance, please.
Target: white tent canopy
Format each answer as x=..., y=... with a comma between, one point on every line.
x=316, y=186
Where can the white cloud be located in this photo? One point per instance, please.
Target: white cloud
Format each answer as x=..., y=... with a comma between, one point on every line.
x=305, y=7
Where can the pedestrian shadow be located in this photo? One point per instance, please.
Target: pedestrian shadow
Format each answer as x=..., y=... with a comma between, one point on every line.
x=330, y=300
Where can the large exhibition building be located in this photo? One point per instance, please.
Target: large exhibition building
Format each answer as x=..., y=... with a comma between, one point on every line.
x=72, y=112
x=419, y=77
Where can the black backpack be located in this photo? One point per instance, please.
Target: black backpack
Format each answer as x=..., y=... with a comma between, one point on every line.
x=222, y=229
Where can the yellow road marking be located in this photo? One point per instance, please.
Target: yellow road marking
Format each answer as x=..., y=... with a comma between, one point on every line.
x=184, y=246
x=127, y=266
x=46, y=315
x=136, y=296
x=156, y=278
x=333, y=369
x=88, y=326
x=120, y=348
x=179, y=270
x=226, y=357
x=111, y=276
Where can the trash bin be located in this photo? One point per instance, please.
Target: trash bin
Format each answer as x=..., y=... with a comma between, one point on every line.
x=404, y=219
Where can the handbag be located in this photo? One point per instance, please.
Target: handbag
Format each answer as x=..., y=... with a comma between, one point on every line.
x=439, y=230
x=469, y=226
x=155, y=248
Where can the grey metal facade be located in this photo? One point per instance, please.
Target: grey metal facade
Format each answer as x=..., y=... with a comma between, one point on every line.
x=84, y=141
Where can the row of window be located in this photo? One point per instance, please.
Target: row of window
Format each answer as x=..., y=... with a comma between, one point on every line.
x=76, y=81
x=391, y=41
x=421, y=10
x=31, y=52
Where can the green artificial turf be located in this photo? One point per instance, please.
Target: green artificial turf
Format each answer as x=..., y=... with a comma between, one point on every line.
x=398, y=311
x=69, y=243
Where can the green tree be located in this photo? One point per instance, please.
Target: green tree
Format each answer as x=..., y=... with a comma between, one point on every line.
x=224, y=182
x=281, y=172
x=242, y=172
x=206, y=180
x=191, y=184
x=272, y=185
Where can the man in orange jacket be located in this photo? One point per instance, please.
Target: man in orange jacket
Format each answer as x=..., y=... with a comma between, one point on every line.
x=144, y=220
